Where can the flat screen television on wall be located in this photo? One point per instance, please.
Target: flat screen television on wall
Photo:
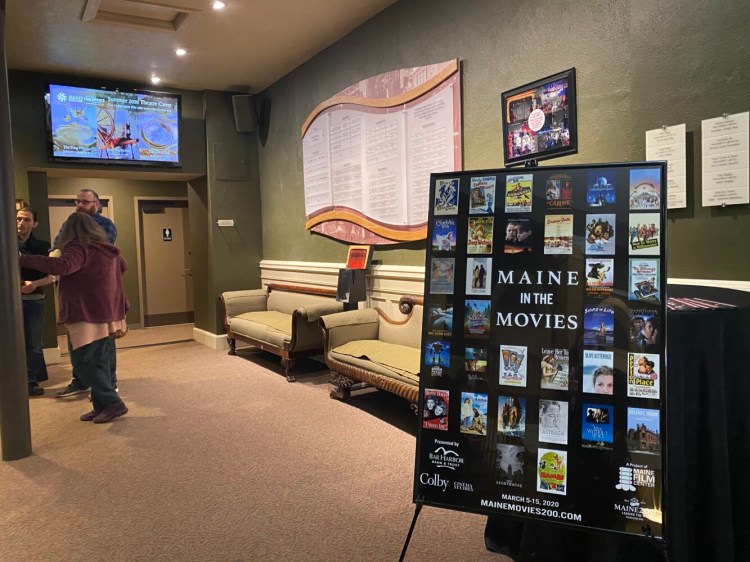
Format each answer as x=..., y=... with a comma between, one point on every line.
x=539, y=119
x=96, y=125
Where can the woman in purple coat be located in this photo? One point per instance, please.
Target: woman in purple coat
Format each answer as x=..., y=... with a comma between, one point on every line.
x=92, y=306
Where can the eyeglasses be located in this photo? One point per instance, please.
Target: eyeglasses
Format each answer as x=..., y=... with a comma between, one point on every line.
x=84, y=201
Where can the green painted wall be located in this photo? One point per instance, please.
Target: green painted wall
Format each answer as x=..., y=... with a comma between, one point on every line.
x=640, y=64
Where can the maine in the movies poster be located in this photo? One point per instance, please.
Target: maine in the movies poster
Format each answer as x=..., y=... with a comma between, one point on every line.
x=474, y=406
x=435, y=411
x=645, y=234
x=600, y=191
x=440, y=319
x=600, y=277
x=599, y=325
x=552, y=471
x=644, y=333
x=511, y=417
x=644, y=431
x=518, y=193
x=480, y=235
x=645, y=189
x=558, y=234
x=518, y=235
x=553, y=421
x=600, y=234
x=644, y=280
x=643, y=375
x=444, y=235
x=513, y=365
x=477, y=318
x=510, y=464
x=597, y=426
x=446, y=196
x=598, y=371
x=478, y=276
x=555, y=368
x=482, y=196
x=442, y=274
x=559, y=192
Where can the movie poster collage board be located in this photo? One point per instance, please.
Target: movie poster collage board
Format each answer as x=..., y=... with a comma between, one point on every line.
x=542, y=384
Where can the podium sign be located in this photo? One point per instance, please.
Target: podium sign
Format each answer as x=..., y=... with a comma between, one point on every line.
x=543, y=375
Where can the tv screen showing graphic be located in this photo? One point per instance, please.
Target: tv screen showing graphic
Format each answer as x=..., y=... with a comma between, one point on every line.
x=110, y=126
x=539, y=119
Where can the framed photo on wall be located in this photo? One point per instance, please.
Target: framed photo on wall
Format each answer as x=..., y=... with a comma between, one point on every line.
x=359, y=257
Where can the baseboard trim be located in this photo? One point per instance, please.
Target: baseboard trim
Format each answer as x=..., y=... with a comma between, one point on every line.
x=52, y=355
x=214, y=341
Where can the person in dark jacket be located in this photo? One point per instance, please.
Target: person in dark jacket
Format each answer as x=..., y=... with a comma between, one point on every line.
x=92, y=306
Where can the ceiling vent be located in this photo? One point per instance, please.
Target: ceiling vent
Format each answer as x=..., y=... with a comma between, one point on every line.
x=157, y=15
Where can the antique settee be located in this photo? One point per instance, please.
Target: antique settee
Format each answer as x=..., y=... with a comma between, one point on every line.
x=281, y=319
x=366, y=347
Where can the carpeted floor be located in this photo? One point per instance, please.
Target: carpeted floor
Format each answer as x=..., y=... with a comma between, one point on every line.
x=221, y=459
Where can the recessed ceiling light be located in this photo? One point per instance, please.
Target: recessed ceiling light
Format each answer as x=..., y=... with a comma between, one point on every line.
x=218, y=5
x=155, y=79
x=180, y=51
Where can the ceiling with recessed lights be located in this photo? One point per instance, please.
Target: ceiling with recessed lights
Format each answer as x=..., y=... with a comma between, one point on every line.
x=244, y=47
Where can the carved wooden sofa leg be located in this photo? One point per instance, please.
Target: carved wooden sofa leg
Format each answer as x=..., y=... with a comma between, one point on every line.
x=288, y=363
x=232, y=346
x=341, y=387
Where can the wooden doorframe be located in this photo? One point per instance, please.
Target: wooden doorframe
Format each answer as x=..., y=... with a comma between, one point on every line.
x=138, y=254
x=108, y=198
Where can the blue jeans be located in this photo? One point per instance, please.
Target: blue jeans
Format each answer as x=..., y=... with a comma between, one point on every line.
x=91, y=365
x=33, y=330
x=111, y=350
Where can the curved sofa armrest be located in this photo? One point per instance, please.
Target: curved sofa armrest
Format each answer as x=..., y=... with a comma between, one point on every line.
x=238, y=302
x=349, y=326
x=313, y=312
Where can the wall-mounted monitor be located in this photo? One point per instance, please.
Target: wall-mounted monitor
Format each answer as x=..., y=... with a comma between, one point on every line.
x=539, y=119
x=95, y=125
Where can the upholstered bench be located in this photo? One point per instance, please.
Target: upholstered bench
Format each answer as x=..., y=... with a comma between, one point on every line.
x=367, y=348
x=281, y=319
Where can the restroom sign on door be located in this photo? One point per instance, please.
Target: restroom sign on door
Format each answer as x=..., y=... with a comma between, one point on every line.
x=166, y=234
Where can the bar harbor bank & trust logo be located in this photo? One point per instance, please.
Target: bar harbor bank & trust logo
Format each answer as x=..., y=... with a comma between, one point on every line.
x=446, y=455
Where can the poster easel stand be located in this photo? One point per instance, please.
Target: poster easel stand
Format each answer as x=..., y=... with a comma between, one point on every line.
x=417, y=510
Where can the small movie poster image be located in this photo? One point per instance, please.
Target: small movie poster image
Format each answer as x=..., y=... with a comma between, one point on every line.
x=644, y=280
x=482, y=196
x=555, y=368
x=552, y=471
x=478, y=272
x=600, y=189
x=444, y=235
x=644, y=333
x=446, y=197
x=598, y=372
x=558, y=234
x=511, y=417
x=599, y=325
x=600, y=234
x=643, y=431
x=600, y=277
x=597, y=426
x=518, y=235
x=645, y=189
x=474, y=413
x=477, y=318
x=475, y=360
x=518, y=193
x=645, y=233
x=435, y=410
x=559, y=191
x=510, y=464
x=643, y=375
x=553, y=421
x=442, y=275
x=513, y=363
x=480, y=235
x=437, y=354
x=440, y=319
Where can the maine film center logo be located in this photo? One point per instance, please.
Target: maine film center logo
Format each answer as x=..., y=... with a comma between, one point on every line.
x=445, y=457
x=630, y=508
x=634, y=476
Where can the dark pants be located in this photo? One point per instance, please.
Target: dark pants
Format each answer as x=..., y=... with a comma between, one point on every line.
x=33, y=330
x=91, y=365
x=111, y=358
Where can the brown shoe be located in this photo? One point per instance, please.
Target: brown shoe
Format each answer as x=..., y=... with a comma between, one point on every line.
x=88, y=416
x=111, y=412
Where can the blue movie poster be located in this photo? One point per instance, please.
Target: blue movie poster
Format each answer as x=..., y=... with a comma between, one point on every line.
x=597, y=426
